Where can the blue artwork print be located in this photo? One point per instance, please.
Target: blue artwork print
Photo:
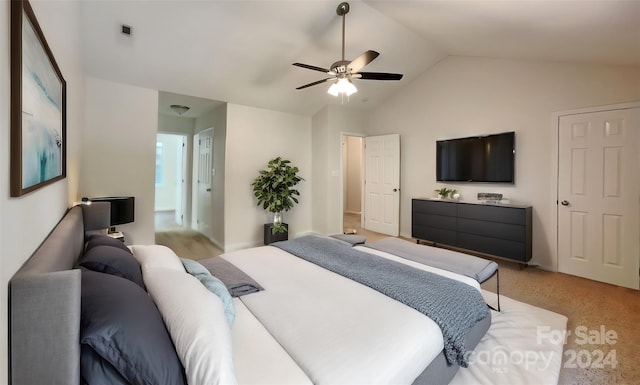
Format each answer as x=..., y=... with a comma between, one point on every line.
x=41, y=113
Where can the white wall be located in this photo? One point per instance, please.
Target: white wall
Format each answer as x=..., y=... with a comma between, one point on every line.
x=255, y=136
x=320, y=171
x=353, y=174
x=27, y=220
x=121, y=123
x=463, y=96
x=328, y=126
x=176, y=125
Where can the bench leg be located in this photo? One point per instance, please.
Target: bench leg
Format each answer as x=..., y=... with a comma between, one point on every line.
x=497, y=289
x=498, y=286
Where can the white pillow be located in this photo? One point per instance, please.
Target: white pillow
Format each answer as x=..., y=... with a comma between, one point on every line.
x=156, y=256
x=196, y=322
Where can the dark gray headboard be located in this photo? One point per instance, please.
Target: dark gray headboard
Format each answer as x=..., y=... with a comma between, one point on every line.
x=44, y=297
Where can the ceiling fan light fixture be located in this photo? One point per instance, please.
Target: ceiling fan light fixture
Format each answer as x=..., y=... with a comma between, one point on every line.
x=342, y=86
x=178, y=109
x=344, y=70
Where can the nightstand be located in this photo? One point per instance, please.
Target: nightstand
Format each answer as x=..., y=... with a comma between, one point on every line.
x=117, y=235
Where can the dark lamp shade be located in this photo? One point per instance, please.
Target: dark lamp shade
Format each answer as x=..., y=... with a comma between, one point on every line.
x=122, y=209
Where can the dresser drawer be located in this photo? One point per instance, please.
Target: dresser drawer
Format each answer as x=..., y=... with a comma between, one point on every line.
x=434, y=207
x=492, y=213
x=433, y=220
x=493, y=246
x=432, y=234
x=498, y=230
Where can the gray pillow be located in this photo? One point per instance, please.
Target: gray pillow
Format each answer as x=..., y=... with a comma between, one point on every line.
x=105, y=240
x=96, y=370
x=120, y=323
x=213, y=284
x=114, y=261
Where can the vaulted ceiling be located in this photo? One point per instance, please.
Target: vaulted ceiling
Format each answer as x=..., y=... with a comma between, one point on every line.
x=241, y=51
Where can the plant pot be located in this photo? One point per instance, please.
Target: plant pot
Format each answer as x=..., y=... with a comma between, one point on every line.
x=269, y=237
x=277, y=217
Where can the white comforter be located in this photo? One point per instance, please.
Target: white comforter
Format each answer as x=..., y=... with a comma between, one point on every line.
x=337, y=330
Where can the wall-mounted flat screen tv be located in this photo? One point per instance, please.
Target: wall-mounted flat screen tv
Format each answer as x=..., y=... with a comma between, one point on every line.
x=488, y=158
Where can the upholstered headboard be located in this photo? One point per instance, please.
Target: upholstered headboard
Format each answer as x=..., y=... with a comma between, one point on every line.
x=44, y=297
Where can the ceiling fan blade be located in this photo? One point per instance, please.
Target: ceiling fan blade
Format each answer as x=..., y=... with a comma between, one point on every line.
x=313, y=84
x=307, y=66
x=377, y=76
x=358, y=63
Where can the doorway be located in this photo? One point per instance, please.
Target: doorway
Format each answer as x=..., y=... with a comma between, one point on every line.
x=170, y=186
x=371, y=184
x=353, y=179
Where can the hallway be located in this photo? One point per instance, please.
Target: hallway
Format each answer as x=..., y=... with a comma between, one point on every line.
x=185, y=242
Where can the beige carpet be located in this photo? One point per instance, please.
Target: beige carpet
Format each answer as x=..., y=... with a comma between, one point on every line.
x=187, y=243
x=590, y=306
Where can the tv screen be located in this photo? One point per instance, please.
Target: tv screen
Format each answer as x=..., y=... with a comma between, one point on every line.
x=488, y=158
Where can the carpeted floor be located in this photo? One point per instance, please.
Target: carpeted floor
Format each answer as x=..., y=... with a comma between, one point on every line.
x=597, y=312
x=187, y=243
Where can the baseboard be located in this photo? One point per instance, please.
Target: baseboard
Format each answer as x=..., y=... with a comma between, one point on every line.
x=545, y=267
x=216, y=243
x=241, y=245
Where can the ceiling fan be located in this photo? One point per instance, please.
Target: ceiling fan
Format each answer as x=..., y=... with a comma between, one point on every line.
x=343, y=70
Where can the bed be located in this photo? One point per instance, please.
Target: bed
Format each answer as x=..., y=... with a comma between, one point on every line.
x=302, y=324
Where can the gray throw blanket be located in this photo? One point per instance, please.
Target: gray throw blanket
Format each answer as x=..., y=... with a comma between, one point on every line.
x=237, y=281
x=453, y=305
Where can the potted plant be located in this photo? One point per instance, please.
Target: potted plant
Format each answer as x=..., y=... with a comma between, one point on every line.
x=274, y=189
x=444, y=192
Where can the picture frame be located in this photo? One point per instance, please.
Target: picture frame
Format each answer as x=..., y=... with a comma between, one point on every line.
x=38, y=106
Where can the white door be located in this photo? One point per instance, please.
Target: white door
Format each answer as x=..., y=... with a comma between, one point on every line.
x=181, y=163
x=599, y=196
x=205, y=156
x=382, y=184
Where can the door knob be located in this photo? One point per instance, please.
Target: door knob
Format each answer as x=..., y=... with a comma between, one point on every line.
x=565, y=203
x=395, y=190
x=208, y=190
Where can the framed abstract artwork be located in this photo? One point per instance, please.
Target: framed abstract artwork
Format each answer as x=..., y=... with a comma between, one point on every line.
x=38, y=106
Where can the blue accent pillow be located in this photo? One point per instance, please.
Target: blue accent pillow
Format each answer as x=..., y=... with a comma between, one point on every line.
x=114, y=261
x=121, y=324
x=212, y=284
x=105, y=240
